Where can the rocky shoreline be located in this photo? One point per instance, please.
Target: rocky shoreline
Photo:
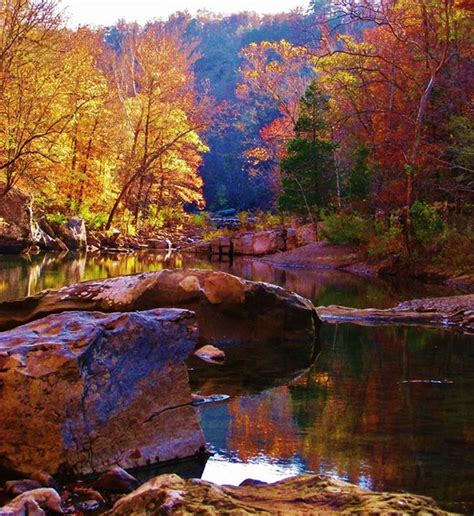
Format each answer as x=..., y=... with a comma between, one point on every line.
x=289, y=247
x=116, y=493
x=454, y=312
x=322, y=255
x=94, y=375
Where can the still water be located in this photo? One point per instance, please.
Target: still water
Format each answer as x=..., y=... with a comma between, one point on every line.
x=359, y=411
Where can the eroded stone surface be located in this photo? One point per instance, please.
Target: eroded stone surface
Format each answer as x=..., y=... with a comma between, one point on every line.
x=305, y=494
x=34, y=503
x=452, y=311
x=16, y=222
x=227, y=308
x=260, y=243
x=81, y=392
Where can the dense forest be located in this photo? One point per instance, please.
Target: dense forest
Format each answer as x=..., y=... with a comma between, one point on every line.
x=236, y=258
x=350, y=111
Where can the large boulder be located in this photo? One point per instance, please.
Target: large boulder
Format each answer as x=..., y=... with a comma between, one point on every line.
x=47, y=243
x=77, y=234
x=74, y=234
x=305, y=494
x=16, y=223
x=227, y=308
x=82, y=392
x=260, y=243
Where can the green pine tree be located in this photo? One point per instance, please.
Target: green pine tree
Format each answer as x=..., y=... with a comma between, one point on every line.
x=308, y=170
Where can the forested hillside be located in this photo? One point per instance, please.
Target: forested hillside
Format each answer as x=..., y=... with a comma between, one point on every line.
x=352, y=109
x=237, y=248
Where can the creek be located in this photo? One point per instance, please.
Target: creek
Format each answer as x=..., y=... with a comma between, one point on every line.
x=384, y=407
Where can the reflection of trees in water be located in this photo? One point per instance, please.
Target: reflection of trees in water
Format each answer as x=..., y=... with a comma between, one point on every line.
x=26, y=275
x=328, y=286
x=20, y=276
x=351, y=415
x=263, y=424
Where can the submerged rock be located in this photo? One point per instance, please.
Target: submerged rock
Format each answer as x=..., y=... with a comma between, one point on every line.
x=227, y=308
x=117, y=480
x=305, y=494
x=84, y=391
x=210, y=353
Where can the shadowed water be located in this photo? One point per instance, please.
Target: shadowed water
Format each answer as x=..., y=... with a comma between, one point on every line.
x=389, y=408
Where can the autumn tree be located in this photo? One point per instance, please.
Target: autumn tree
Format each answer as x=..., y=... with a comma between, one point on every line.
x=31, y=82
x=274, y=77
x=161, y=120
x=84, y=154
x=395, y=88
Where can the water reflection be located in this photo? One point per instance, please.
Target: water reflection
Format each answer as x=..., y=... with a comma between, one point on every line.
x=22, y=276
x=350, y=415
x=232, y=472
x=331, y=287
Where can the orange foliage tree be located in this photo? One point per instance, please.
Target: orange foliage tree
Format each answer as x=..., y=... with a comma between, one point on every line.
x=274, y=77
x=91, y=128
x=161, y=117
x=396, y=86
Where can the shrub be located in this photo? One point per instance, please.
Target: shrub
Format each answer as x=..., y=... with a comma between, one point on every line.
x=56, y=218
x=345, y=228
x=159, y=217
x=156, y=217
x=455, y=250
x=427, y=224
x=267, y=220
x=212, y=234
x=201, y=220
x=385, y=241
x=244, y=217
x=93, y=220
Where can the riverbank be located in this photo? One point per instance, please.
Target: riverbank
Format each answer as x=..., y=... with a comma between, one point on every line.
x=452, y=312
x=323, y=255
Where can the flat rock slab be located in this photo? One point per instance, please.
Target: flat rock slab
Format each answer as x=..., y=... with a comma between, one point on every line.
x=451, y=312
x=81, y=392
x=305, y=494
x=315, y=255
x=227, y=308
